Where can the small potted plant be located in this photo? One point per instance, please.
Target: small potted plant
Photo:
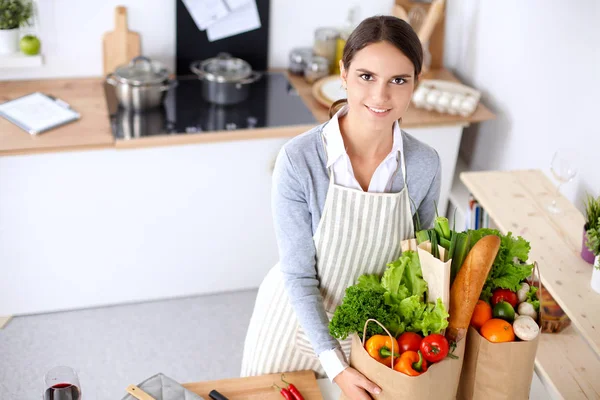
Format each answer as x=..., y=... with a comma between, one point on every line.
x=593, y=244
x=13, y=15
x=592, y=211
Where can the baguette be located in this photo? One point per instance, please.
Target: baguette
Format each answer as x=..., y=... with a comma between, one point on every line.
x=468, y=285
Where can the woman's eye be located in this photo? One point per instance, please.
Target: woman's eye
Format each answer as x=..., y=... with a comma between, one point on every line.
x=366, y=77
x=399, y=81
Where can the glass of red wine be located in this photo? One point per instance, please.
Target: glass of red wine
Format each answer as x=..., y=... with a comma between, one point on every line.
x=62, y=383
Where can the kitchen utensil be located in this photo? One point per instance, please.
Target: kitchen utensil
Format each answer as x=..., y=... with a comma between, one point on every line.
x=216, y=395
x=135, y=125
x=318, y=67
x=446, y=97
x=299, y=57
x=433, y=16
x=226, y=79
x=120, y=45
x=138, y=393
x=162, y=387
x=399, y=12
x=328, y=90
x=416, y=17
x=140, y=85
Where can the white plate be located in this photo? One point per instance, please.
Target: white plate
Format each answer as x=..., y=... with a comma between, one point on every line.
x=333, y=90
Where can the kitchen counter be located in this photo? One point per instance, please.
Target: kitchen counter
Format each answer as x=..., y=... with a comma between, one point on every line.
x=86, y=96
x=93, y=131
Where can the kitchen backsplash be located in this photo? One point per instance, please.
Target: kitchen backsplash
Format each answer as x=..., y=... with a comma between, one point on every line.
x=71, y=31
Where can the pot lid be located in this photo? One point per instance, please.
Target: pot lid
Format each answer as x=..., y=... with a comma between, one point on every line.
x=225, y=68
x=142, y=71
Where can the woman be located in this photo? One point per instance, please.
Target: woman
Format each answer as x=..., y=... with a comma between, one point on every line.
x=341, y=201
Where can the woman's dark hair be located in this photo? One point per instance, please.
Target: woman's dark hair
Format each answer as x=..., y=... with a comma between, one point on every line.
x=378, y=29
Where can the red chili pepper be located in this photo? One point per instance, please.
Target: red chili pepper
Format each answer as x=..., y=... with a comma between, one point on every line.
x=285, y=393
x=293, y=389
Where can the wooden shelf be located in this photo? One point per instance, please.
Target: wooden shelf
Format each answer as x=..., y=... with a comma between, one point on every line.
x=566, y=365
x=516, y=201
x=20, y=60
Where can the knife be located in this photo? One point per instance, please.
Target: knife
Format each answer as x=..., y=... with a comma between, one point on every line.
x=138, y=393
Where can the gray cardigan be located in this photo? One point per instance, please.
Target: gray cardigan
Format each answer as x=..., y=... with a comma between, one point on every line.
x=300, y=183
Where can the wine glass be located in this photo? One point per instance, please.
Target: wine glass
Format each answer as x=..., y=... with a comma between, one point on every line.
x=62, y=383
x=564, y=169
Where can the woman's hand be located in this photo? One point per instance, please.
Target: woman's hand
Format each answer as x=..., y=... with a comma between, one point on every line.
x=355, y=385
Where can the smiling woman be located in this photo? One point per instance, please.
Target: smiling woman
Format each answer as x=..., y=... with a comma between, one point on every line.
x=342, y=195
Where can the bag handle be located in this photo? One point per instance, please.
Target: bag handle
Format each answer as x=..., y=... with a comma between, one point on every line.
x=386, y=331
x=536, y=269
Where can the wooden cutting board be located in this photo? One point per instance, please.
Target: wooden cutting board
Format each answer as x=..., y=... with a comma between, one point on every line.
x=259, y=387
x=121, y=45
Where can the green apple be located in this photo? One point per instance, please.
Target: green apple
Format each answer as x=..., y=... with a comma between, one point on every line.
x=30, y=45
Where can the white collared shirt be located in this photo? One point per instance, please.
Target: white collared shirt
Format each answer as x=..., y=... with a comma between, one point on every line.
x=342, y=167
x=333, y=360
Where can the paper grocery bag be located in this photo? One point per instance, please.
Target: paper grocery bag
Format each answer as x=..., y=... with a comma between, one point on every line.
x=439, y=382
x=498, y=371
x=495, y=371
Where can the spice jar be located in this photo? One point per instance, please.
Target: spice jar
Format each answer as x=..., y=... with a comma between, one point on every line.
x=326, y=43
x=299, y=57
x=317, y=68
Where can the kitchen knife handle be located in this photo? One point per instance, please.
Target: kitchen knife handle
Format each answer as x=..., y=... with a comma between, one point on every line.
x=138, y=393
x=216, y=395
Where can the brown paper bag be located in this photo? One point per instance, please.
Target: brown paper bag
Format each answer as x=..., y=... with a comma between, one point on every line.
x=439, y=382
x=497, y=371
x=494, y=371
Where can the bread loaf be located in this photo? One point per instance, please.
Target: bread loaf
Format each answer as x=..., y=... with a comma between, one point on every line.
x=467, y=286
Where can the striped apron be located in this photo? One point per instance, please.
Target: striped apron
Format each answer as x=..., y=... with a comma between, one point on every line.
x=359, y=233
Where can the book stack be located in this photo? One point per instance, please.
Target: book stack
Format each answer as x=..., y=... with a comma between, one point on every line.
x=477, y=217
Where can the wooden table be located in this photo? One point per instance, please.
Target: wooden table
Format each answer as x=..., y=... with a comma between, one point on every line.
x=259, y=387
x=569, y=361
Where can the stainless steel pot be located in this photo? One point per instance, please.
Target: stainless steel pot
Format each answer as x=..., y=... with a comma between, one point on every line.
x=140, y=124
x=140, y=85
x=226, y=79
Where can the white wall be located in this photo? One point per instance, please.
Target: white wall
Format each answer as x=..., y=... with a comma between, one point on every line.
x=71, y=31
x=538, y=65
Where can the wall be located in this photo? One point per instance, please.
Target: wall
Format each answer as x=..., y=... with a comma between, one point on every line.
x=71, y=31
x=537, y=63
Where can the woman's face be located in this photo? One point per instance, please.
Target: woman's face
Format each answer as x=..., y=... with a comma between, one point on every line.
x=380, y=83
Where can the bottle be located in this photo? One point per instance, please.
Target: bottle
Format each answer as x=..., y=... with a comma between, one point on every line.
x=345, y=31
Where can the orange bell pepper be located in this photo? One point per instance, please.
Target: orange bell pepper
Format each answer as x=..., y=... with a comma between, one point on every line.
x=411, y=363
x=380, y=348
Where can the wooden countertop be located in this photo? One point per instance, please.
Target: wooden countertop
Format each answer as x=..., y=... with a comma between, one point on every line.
x=84, y=95
x=92, y=131
x=516, y=201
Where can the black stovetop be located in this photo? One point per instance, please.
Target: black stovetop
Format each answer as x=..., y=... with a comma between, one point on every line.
x=272, y=102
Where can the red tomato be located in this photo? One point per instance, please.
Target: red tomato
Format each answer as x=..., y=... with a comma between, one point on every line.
x=505, y=295
x=409, y=341
x=434, y=348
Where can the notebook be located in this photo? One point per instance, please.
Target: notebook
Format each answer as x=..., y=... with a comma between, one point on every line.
x=37, y=112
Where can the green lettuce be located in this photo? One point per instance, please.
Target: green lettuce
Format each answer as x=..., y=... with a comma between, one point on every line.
x=395, y=299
